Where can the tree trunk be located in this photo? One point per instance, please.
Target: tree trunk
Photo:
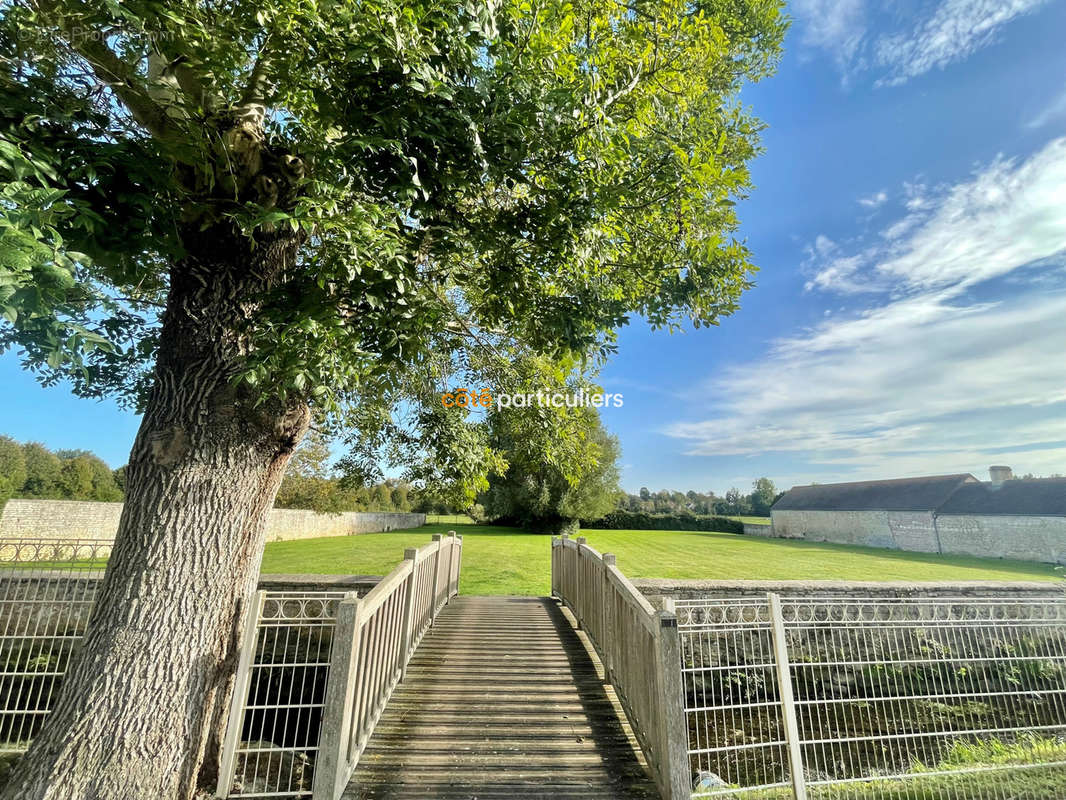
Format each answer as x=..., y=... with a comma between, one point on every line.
x=141, y=711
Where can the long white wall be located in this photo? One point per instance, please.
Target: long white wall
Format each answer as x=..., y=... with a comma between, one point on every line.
x=64, y=519
x=1026, y=538
x=1002, y=536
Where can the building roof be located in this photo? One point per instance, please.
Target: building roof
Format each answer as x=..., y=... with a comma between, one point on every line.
x=900, y=494
x=1027, y=497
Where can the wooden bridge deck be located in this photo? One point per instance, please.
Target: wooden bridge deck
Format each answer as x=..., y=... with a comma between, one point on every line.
x=503, y=700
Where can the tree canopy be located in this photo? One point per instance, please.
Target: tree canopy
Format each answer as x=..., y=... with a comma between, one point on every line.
x=536, y=171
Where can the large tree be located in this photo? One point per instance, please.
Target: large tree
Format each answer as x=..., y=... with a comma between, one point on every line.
x=231, y=213
x=562, y=467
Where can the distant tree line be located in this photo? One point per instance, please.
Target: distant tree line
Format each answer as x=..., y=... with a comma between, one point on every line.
x=32, y=470
x=311, y=483
x=733, y=504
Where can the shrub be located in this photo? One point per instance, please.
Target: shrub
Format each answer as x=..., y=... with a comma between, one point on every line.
x=639, y=521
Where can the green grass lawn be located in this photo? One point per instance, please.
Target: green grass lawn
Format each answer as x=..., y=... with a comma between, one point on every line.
x=753, y=520
x=507, y=561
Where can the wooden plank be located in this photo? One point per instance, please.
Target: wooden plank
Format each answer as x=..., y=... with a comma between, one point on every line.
x=484, y=713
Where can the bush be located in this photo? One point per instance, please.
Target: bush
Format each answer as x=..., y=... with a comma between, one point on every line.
x=639, y=521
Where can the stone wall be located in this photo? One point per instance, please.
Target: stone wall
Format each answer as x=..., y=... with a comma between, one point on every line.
x=1026, y=538
x=1001, y=536
x=913, y=530
x=66, y=519
x=290, y=523
x=868, y=528
x=655, y=589
x=758, y=529
x=59, y=519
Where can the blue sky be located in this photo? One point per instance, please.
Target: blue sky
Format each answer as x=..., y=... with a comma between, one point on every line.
x=909, y=220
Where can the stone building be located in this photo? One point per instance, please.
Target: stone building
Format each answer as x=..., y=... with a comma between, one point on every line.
x=1003, y=517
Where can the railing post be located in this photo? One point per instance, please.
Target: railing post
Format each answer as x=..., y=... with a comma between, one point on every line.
x=410, y=554
x=606, y=657
x=448, y=574
x=564, y=571
x=459, y=565
x=673, y=771
x=554, y=566
x=331, y=766
x=235, y=720
x=579, y=615
x=788, y=705
x=436, y=577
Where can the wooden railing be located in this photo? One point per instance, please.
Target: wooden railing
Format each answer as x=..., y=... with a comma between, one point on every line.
x=375, y=638
x=639, y=650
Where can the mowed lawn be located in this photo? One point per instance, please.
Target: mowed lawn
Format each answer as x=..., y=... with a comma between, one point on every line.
x=507, y=561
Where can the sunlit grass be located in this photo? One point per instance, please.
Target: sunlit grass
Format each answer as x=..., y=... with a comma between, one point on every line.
x=508, y=561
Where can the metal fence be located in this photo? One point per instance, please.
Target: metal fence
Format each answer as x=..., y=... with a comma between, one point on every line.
x=47, y=590
x=870, y=698
x=271, y=743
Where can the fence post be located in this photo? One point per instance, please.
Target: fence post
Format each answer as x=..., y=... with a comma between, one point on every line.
x=448, y=574
x=459, y=566
x=674, y=774
x=554, y=566
x=438, y=538
x=579, y=613
x=608, y=634
x=235, y=720
x=788, y=705
x=410, y=554
x=331, y=766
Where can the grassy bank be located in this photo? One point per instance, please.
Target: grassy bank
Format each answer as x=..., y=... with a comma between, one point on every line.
x=507, y=561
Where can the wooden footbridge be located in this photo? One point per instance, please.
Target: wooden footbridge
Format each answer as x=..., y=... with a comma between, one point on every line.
x=503, y=699
x=431, y=695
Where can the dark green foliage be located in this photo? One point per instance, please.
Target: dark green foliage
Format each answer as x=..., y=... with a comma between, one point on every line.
x=12, y=468
x=638, y=521
x=75, y=478
x=32, y=470
x=43, y=471
x=734, y=503
x=310, y=483
x=560, y=468
x=763, y=494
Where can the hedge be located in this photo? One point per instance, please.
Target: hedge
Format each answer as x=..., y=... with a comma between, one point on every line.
x=639, y=521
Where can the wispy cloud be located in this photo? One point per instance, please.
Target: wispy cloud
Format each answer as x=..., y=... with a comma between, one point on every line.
x=1054, y=110
x=949, y=369
x=875, y=200
x=1007, y=215
x=862, y=36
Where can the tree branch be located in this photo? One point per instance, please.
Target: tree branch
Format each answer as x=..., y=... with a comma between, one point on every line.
x=256, y=88
x=113, y=71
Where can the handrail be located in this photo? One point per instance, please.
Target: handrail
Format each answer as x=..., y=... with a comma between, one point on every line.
x=375, y=637
x=640, y=653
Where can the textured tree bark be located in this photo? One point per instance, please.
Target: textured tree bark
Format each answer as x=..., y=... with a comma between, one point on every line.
x=141, y=712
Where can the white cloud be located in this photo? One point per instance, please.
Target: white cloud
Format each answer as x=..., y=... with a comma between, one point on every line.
x=875, y=200
x=862, y=36
x=1006, y=216
x=946, y=371
x=1054, y=110
x=837, y=26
